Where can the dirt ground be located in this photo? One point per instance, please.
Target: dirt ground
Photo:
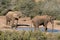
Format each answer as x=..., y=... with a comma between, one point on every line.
x=25, y=20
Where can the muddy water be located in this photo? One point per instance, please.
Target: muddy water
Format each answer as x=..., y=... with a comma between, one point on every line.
x=42, y=29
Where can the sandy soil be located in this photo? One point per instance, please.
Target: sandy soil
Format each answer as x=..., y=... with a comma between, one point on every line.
x=26, y=21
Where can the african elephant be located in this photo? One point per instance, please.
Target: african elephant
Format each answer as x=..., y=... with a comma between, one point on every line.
x=11, y=16
x=43, y=20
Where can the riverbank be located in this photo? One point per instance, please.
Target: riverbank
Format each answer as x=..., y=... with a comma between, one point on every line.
x=26, y=21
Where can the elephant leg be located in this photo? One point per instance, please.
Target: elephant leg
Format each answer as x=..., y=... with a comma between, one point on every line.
x=45, y=25
x=45, y=28
x=9, y=22
x=16, y=24
x=52, y=25
x=36, y=26
x=6, y=22
x=12, y=24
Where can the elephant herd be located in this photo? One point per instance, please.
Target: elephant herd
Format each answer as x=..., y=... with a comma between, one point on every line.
x=11, y=16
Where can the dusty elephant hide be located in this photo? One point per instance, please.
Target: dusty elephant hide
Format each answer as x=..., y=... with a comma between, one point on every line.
x=11, y=16
x=42, y=20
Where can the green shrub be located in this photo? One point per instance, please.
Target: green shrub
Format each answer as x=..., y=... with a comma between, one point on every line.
x=22, y=35
x=28, y=35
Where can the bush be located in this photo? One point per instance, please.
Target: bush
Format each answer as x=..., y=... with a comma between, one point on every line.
x=31, y=8
x=28, y=35
x=21, y=35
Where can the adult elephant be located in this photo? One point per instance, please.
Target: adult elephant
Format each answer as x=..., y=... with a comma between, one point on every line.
x=11, y=16
x=43, y=20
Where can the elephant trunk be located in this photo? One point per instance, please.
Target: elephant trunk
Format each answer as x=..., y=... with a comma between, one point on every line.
x=52, y=25
x=52, y=22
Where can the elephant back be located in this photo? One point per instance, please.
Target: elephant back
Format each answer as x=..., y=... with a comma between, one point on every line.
x=14, y=14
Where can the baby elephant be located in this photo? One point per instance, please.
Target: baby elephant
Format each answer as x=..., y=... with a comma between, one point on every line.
x=11, y=16
x=43, y=20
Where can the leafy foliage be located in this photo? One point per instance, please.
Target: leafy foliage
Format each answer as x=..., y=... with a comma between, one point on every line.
x=28, y=35
x=31, y=8
x=22, y=35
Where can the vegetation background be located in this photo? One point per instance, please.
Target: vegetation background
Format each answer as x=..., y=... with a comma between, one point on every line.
x=31, y=8
x=27, y=35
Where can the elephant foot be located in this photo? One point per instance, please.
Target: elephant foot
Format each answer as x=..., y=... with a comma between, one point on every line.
x=12, y=27
x=45, y=29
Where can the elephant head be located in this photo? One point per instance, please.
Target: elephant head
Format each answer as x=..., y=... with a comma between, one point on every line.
x=17, y=15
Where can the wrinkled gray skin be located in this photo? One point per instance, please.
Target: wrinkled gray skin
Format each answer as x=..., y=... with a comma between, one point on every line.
x=11, y=16
x=43, y=20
